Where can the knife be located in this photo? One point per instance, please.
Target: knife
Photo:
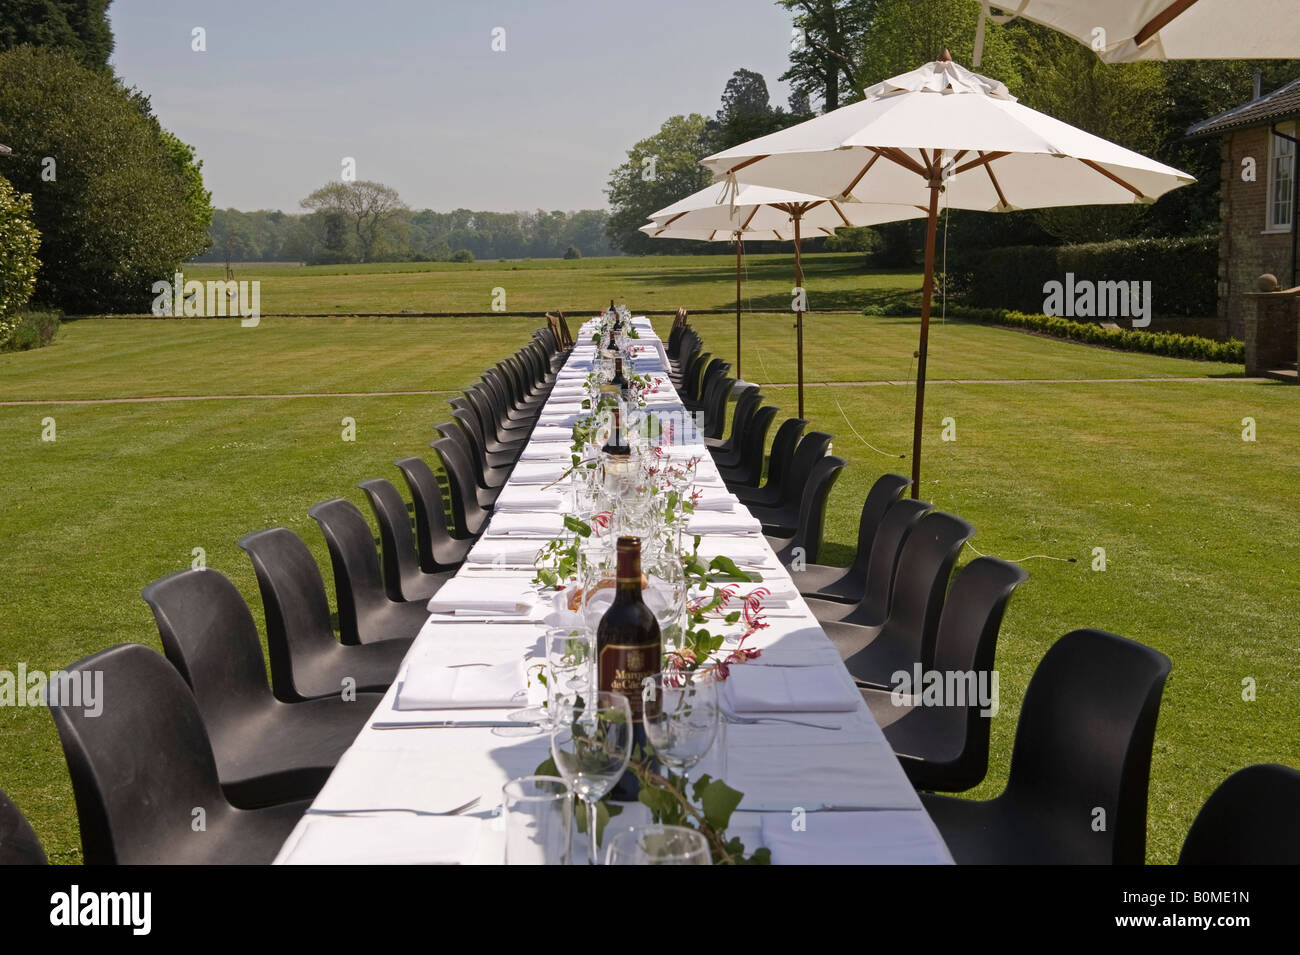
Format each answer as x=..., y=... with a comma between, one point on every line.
x=452, y=724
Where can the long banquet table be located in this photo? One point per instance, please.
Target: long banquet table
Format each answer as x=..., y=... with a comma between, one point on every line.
x=811, y=795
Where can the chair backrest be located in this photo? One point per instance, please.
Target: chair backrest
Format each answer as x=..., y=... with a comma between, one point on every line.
x=431, y=530
x=812, y=448
x=469, y=515
x=812, y=509
x=967, y=643
x=396, y=539
x=886, y=548
x=486, y=413
x=782, y=453
x=18, y=842
x=743, y=415
x=1083, y=745
x=924, y=568
x=692, y=383
x=880, y=499
x=294, y=601
x=715, y=406
x=141, y=766
x=751, y=451
x=473, y=457
x=1253, y=818
x=209, y=636
x=566, y=339
x=358, y=581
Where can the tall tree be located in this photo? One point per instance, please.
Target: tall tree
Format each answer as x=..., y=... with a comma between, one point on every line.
x=111, y=204
x=823, y=51
x=369, y=208
x=658, y=171
x=746, y=113
x=79, y=26
x=905, y=34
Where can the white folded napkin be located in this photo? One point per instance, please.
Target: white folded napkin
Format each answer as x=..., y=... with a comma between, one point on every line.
x=390, y=839
x=482, y=595
x=564, y=420
x=756, y=690
x=538, y=472
x=523, y=498
x=462, y=687
x=714, y=499
x=502, y=550
x=815, y=773
x=855, y=838
x=551, y=434
x=526, y=524
x=739, y=521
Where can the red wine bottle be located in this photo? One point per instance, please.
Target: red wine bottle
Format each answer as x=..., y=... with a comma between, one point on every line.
x=628, y=650
x=617, y=446
x=618, y=381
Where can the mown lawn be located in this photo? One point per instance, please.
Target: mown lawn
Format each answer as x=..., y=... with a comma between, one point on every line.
x=1198, y=526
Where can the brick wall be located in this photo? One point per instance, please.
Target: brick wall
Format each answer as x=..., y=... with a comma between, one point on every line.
x=1245, y=252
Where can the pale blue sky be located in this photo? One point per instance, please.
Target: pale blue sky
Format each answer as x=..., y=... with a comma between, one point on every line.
x=414, y=92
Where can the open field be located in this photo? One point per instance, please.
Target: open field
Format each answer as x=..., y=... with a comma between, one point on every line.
x=1198, y=526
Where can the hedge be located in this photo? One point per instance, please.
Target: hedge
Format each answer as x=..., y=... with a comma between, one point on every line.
x=33, y=330
x=1183, y=272
x=1169, y=344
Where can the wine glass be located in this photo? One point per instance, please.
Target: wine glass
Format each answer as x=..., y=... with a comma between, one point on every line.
x=591, y=741
x=665, y=595
x=680, y=710
x=597, y=566
x=658, y=845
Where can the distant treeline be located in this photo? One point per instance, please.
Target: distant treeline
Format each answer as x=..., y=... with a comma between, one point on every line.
x=424, y=236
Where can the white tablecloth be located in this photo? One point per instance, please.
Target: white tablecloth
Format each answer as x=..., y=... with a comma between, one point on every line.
x=788, y=774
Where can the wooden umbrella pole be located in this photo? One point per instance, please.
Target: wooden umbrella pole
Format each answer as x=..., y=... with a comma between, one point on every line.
x=798, y=321
x=927, y=292
x=738, y=353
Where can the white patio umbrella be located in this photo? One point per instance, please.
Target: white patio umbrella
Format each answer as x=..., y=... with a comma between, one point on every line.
x=722, y=213
x=1122, y=31
x=943, y=130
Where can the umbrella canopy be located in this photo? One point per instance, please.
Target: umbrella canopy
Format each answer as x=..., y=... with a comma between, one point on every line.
x=729, y=212
x=942, y=129
x=1122, y=31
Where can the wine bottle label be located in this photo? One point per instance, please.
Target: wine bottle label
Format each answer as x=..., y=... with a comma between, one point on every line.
x=624, y=668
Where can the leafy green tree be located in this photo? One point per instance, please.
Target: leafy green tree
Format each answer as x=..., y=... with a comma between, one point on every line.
x=107, y=195
x=19, y=243
x=823, y=66
x=79, y=26
x=370, y=209
x=746, y=113
x=658, y=171
x=906, y=34
x=572, y=252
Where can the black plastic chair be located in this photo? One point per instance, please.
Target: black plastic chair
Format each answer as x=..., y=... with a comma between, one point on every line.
x=873, y=655
x=781, y=519
x=778, y=464
x=1253, y=818
x=403, y=578
x=366, y=615
x=143, y=768
x=464, y=412
x=946, y=747
x=478, y=476
x=806, y=542
x=439, y=549
x=307, y=662
x=267, y=752
x=849, y=584
x=1077, y=791
x=18, y=842
x=469, y=516
x=714, y=409
x=727, y=451
x=748, y=472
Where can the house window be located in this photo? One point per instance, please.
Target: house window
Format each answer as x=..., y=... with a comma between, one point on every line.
x=1281, y=182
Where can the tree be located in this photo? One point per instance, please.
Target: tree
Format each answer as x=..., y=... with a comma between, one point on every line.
x=658, y=171
x=369, y=208
x=746, y=113
x=823, y=68
x=79, y=26
x=19, y=243
x=107, y=196
x=905, y=34
x=572, y=252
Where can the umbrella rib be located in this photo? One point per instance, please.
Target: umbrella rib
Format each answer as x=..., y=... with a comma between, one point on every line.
x=984, y=159
x=988, y=168
x=748, y=162
x=894, y=154
x=875, y=154
x=674, y=219
x=840, y=212
x=749, y=218
x=1162, y=20
x=1113, y=178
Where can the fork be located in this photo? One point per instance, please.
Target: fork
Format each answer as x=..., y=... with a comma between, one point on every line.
x=751, y=720
x=418, y=812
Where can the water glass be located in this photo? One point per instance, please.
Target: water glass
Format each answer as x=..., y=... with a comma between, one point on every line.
x=681, y=716
x=658, y=845
x=539, y=820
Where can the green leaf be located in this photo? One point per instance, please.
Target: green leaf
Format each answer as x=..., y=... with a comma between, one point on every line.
x=718, y=801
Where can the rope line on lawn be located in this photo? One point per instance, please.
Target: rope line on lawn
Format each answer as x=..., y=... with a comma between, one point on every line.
x=1021, y=560
x=887, y=454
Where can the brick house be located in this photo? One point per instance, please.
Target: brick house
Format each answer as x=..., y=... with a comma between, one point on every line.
x=1257, y=215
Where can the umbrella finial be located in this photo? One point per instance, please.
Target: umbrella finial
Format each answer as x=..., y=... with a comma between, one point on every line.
x=946, y=57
